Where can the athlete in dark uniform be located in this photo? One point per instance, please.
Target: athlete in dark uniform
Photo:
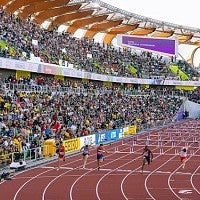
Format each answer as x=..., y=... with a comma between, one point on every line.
x=147, y=157
x=100, y=156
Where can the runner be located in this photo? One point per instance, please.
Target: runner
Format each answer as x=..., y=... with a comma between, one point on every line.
x=61, y=153
x=147, y=157
x=86, y=153
x=100, y=156
x=183, y=156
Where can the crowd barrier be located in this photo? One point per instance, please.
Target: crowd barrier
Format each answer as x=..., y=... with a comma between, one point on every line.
x=25, y=155
x=73, y=145
x=48, y=149
x=79, y=90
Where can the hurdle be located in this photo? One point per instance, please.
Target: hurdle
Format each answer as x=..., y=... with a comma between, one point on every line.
x=116, y=149
x=134, y=142
x=148, y=137
x=194, y=139
x=160, y=143
x=131, y=150
x=173, y=143
x=177, y=151
x=186, y=144
x=159, y=137
x=161, y=151
x=171, y=138
x=192, y=152
x=182, y=139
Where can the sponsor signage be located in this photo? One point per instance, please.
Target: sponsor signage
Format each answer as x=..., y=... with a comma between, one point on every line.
x=71, y=145
x=87, y=140
x=166, y=46
x=108, y=136
x=57, y=70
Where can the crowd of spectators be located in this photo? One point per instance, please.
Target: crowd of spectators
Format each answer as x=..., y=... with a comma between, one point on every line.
x=27, y=119
x=31, y=118
x=195, y=96
x=44, y=82
x=192, y=73
x=53, y=46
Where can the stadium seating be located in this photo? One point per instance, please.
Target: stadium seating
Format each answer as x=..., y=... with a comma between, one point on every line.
x=84, y=54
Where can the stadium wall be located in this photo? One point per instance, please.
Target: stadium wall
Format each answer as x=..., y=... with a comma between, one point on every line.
x=193, y=109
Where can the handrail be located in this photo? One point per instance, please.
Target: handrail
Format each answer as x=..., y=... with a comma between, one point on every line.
x=80, y=90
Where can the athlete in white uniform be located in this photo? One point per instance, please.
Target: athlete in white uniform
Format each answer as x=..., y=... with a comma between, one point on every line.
x=86, y=152
x=183, y=156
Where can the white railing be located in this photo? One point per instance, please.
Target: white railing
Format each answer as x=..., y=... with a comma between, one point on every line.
x=9, y=87
x=27, y=155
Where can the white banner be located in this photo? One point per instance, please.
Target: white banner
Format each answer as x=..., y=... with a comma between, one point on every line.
x=89, y=140
x=18, y=65
x=66, y=71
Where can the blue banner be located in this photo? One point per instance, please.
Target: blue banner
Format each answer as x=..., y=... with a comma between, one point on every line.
x=108, y=136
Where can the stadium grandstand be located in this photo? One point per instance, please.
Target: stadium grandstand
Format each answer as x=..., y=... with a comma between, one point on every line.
x=55, y=86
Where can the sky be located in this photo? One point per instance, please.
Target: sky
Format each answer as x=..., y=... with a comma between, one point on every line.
x=180, y=12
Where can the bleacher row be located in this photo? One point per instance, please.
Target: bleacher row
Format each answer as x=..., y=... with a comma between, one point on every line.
x=34, y=113
x=31, y=118
x=53, y=47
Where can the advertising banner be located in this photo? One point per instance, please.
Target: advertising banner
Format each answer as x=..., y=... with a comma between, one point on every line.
x=130, y=130
x=108, y=136
x=71, y=145
x=46, y=68
x=90, y=140
x=166, y=46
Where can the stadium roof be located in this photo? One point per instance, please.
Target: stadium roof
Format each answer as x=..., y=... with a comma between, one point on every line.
x=96, y=16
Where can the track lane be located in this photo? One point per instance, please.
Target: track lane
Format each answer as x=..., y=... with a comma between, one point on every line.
x=24, y=178
x=91, y=176
x=181, y=184
x=134, y=186
x=195, y=179
x=66, y=180
x=133, y=164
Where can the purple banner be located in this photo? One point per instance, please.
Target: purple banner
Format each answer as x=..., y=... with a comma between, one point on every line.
x=160, y=45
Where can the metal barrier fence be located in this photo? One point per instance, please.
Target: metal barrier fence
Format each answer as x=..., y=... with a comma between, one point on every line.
x=26, y=155
x=80, y=90
x=43, y=151
x=37, y=153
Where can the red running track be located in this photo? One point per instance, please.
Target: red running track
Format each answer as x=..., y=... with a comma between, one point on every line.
x=119, y=177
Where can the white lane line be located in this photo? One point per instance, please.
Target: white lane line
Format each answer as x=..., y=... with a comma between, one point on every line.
x=67, y=168
x=191, y=180
x=162, y=172
x=185, y=191
x=80, y=177
x=46, y=167
x=147, y=189
x=184, y=173
x=63, y=174
x=169, y=179
x=122, y=190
